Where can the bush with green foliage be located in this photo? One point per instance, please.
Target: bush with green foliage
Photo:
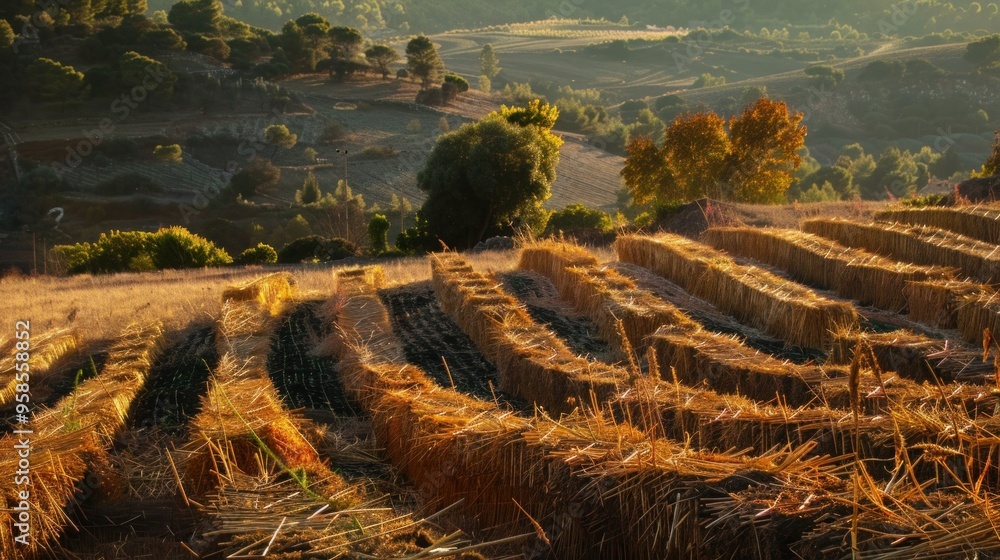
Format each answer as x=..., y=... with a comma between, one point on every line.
x=423, y=61
x=378, y=233
x=260, y=175
x=123, y=251
x=490, y=173
x=453, y=86
x=310, y=192
x=169, y=154
x=824, y=76
x=261, y=254
x=417, y=239
x=316, y=248
x=51, y=81
x=577, y=217
x=708, y=80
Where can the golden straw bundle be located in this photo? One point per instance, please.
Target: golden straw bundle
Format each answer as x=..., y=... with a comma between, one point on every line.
x=785, y=309
x=49, y=352
x=242, y=426
x=852, y=273
x=533, y=363
x=977, y=222
x=610, y=300
x=71, y=439
x=915, y=244
x=456, y=447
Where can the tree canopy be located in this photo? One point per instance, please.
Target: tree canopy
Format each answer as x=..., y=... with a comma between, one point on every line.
x=489, y=64
x=423, y=60
x=196, y=16
x=490, y=174
x=380, y=57
x=52, y=81
x=752, y=161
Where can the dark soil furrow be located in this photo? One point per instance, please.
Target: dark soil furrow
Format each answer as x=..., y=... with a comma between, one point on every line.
x=302, y=379
x=431, y=339
x=178, y=378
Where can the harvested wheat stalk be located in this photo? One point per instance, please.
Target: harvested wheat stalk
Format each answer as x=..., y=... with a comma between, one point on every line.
x=820, y=262
x=71, y=439
x=456, y=447
x=49, y=353
x=242, y=428
x=978, y=223
x=915, y=244
x=785, y=309
x=533, y=363
x=605, y=296
x=971, y=308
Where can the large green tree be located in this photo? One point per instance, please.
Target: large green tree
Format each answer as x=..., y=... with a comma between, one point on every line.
x=423, y=61
x=489, y=65
x=345, y=50
x=380, y=57
x=138, y=71
x=490, y=174
x=196, y=16
x=49, y=80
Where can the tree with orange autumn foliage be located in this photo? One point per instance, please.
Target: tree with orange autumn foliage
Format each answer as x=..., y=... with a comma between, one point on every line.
x=752, y=161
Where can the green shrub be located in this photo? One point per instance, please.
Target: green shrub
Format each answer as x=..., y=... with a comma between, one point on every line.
x=169, y=154
x=305, y=248
x=378, y=152
x=316, y=248
x=378, y=232
x=123, y=251
x=261, y=254
x=576, y=217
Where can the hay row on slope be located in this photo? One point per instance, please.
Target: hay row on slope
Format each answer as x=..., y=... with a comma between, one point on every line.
x=852, y=273
x=785, y=309
x=49, y=353
x=968, y=307
x=916, y=244
x=978, y=223
x=533, y=363
x=454, y=447
x=72, y=438
x=916, y=356
x=242, y=427
x=610, y=300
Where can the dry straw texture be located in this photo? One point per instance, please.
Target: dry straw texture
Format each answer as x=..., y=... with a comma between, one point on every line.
x=820, y=262
x=969, y=307
x=977, y=222
x=242, y=428
x=782, y=308
x=72, y=438
x=610, y=300
x=533, y=363
x=49, y=353
x=916, y=244
x=602, y=481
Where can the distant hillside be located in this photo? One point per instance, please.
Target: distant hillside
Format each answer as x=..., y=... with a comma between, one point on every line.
x=430, y=16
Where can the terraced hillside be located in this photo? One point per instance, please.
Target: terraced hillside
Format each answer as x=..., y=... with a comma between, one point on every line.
x=755, y=393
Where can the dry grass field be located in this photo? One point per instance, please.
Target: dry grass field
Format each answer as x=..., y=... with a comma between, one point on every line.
x=756, y=393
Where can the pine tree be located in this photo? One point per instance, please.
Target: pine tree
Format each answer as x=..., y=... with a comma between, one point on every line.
x=310, y=192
